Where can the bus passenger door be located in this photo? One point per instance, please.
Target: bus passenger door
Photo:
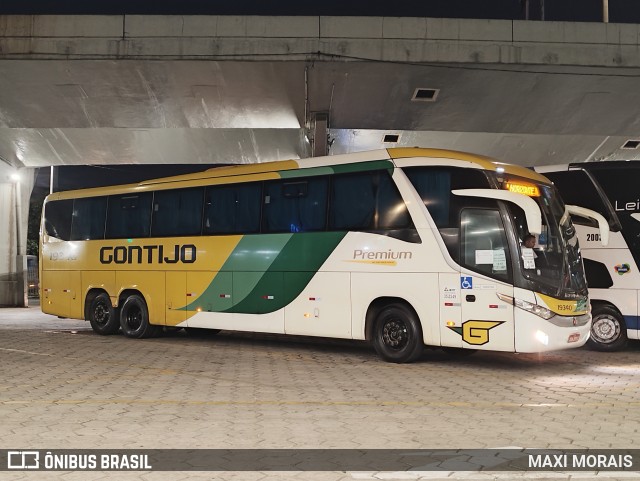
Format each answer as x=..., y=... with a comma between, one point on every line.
x=487, y=321
x=176, y=298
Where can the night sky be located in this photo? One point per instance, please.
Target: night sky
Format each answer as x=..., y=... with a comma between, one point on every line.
x=621, y=11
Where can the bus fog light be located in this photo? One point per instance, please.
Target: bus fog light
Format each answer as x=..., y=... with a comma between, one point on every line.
x=575, y=337
x=542, y=337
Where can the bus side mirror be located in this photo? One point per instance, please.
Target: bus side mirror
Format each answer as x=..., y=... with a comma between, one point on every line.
x=527, y=204
x=603, y=225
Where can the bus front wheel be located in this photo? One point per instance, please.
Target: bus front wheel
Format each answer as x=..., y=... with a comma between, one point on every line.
x=397, y=336
x=134, y=319
x=608, y=329
x=102, y=316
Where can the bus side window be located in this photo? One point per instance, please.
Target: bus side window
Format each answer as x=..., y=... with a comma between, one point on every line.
x=391, y=210
x=232, y=209
x=89, y=214
x=576, y=188
x=353, y=202
x=295, y=205
x=177, y=212
x=484, y=243
x=57, y=218
x=129, y=215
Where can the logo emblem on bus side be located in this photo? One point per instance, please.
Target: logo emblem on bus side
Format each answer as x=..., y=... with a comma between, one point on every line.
x=622, y=268
x=476, y=332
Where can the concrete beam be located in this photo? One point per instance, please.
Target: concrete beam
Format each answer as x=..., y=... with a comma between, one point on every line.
x=299, y=38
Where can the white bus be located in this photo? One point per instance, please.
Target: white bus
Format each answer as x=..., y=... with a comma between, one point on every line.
x=402, y=247
x=611, y=188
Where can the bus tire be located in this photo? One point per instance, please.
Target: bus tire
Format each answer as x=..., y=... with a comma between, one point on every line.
x=608, y=329
x=103, y=317
x=134, y=319
x=397, y=335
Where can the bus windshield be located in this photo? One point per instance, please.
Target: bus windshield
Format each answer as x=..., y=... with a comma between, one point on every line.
x=555, y=254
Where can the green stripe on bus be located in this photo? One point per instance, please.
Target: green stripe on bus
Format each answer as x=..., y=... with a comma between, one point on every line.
x=362, y=166
x=290, y=273
x=253, y=255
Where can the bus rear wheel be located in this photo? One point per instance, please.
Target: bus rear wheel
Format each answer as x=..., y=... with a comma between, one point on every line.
x=134, y=319
x=397, y=336
x=608, y=329
x=102, y=316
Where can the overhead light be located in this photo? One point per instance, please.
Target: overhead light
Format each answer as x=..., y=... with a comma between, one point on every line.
x=425, y=95
x=631, y=144
x=15, y=177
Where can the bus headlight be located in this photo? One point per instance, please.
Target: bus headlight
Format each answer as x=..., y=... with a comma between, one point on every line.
x=540, y=311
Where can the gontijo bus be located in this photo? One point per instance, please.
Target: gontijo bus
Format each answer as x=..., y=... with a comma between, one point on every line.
x=402, y=247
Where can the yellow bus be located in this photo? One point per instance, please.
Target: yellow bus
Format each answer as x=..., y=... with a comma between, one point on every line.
x=404, y=248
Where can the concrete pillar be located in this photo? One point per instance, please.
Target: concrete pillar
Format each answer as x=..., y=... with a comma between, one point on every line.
x=319, y=126
x=15, y=190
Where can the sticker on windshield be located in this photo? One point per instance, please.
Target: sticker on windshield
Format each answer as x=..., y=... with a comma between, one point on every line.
x=499, y=260
x=528, y=257
x=484, y=257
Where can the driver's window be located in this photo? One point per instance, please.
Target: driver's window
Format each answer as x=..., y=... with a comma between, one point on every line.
x=484, y=246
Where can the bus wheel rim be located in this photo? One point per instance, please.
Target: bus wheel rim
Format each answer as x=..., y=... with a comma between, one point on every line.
x=605, y=329
x=101, y=314
x=395, y=334
x=134, y=318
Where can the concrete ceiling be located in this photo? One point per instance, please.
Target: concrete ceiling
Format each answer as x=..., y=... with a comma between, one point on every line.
x=66, y=112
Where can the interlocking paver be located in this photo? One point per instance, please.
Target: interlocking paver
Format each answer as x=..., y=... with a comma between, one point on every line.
x=61, y=386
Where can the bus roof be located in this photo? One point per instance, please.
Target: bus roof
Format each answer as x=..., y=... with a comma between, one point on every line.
x=270, y=170
x=483, y=162
x=593, y=165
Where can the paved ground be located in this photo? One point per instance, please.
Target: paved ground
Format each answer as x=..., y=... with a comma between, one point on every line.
x=61, y=386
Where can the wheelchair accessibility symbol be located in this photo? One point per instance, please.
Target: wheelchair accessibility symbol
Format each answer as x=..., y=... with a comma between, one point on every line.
x=466, y=282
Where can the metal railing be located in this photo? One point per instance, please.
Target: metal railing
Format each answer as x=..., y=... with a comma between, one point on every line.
x=33, y=279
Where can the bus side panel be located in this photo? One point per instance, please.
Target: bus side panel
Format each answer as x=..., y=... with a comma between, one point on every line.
x=176, y=289
x=105, y=280
x=272, y=322
x=620, y=265
x=209, y=292
x=76, y=306
x=322, y=307
x=418, y=289
x=635, y=333
x=488, y=322
x=151, y=285
x=625, y=300
x=56, y=301
x=450, y=310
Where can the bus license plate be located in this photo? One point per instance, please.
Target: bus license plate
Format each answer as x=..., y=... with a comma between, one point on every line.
x=574, y=337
